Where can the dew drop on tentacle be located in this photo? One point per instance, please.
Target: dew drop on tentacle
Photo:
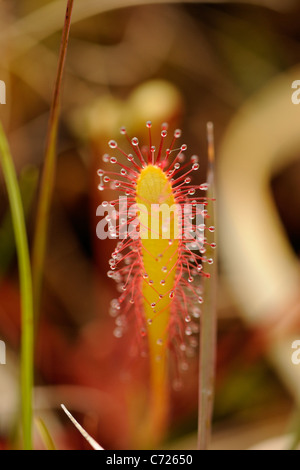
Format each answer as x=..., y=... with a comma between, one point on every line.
x=184, y=366
x=143, y=331
x=177, y=385
x=194, y=342
x=112, y=144
x=196, y=312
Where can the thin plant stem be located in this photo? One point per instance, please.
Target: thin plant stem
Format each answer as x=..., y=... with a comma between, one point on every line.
x=208, y=320
x=27, y=337
x=48, y=174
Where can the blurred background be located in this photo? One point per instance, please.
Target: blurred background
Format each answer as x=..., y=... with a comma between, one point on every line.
x=185, y=63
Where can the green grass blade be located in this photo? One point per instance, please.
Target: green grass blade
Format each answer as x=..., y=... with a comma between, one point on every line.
x=28, y=185
x=18, y=219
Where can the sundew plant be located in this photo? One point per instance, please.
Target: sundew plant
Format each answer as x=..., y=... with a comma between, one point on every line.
x=159, y=220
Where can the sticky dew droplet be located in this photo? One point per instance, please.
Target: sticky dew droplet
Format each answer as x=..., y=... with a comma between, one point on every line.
x=112, y=144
